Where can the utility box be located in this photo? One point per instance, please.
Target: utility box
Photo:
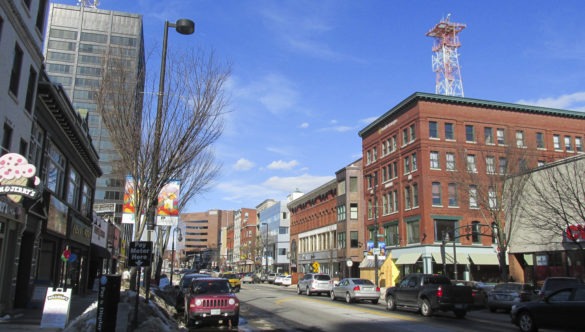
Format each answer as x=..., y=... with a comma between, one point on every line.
x=108, y=299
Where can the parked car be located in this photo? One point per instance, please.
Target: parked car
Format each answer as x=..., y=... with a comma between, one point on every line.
x=356, y=289
x=233, y=279
x=312, y=283
x=553, y=283
x=428, y=293
x=287, y=280
x=249, y=278
x=505, y=295
x=278, y=279
x=211, y=300
x=271, y=277
x=183, y=288
x=479, y=290
x=560, y=309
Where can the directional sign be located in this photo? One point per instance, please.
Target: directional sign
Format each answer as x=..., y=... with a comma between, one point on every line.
x=140, y=253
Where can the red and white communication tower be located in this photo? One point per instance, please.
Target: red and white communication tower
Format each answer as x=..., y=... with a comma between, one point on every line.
x=446, y=58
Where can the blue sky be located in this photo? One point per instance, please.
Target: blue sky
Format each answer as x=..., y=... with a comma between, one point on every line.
x=308, y=75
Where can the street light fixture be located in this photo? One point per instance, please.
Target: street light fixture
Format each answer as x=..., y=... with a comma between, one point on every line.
x=180, y=238
x=185, y=27
x=266, y=250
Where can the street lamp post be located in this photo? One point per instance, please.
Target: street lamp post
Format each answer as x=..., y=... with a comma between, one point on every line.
x=376, y=227
x=180, y=238
x=185, y=27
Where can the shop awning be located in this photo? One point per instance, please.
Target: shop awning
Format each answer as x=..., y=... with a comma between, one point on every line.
x=97, y=251
x=369, y=262
x=484, y=259
x=439, y=260
x=408, y=259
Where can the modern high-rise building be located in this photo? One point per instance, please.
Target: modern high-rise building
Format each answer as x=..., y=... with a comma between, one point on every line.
x=79, y=44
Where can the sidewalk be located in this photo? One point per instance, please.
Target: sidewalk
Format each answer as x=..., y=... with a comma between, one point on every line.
x=29, y=319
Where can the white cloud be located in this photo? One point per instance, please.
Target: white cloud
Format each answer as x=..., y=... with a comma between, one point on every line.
x=574, y=101
x=304, y=125
x=305, y=183
x=274, y=91
x=243, y=164
x=279, y=164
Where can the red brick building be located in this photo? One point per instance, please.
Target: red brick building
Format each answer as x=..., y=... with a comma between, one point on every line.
x=411, y=153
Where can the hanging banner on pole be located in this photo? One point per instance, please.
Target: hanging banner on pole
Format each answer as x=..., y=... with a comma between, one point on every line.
x=167, y=212
x=129, y=205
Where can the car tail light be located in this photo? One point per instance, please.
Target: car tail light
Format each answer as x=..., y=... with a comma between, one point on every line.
x=440, y=291
x=377, y=289
x=356, y=288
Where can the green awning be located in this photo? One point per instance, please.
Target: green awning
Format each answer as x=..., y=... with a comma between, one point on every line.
x=407, y=259
x=484, y=259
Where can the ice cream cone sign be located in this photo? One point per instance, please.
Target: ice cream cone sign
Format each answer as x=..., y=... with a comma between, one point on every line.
x=15, y=176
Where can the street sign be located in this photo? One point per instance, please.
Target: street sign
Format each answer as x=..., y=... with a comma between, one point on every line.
x=140, y=253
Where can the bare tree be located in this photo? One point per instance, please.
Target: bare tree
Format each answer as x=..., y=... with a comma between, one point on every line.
x=190, y=121
x=490, y=183
x=555, y=205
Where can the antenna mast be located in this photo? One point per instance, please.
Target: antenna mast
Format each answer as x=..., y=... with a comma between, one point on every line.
x=446, y=58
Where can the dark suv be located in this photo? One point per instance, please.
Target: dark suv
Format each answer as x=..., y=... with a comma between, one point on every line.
x=551, y=284
x=312, y=283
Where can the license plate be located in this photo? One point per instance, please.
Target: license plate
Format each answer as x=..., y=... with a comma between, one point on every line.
x=216, y=311
x=460, y=306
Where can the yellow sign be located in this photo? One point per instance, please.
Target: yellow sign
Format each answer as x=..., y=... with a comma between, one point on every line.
x=316, y=266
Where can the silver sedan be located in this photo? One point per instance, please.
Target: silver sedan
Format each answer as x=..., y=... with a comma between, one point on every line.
x=356, y=289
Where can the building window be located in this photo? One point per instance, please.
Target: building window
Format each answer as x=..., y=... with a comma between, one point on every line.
x=412, y=133
x=15, y=72
x=63, y=34
x=353, y=239
x=353, y=184
x=414, y=195
x=503, y=165
x=413, y=232
x=501, y=135
x=520, y=139
x=557, y=142
x=433, y=129
x=30, y=92
x=579, y=144
x=394, y=170
x=490, y=164
x=568, y=143
x=540, y=140
x=36, y=145
x=391, y=237
x=405, y=136
x=6, y=139
x=341, y=244
x=488, y=134
x=475, y=232
x=94, y=37
x=471, y=165
x=436, y=193
x=492, y=198
x=341, y=213
x=450, y=161
x=414, y=162
x=452, y=191
x=55, y=176
x=407, y=198
x=434, y=157
x=406, y=165
x=444, y=226
x=469, y=133
x=41, y=15
x=73, y=188
x=340, y=188
x=353, y=211
x=86, y=200
x=449, y=131
x=473, y=196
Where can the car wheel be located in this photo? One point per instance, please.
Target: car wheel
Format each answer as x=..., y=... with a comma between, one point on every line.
x=235, y=321
x=460, y=313
x=390, y=303
x=425, y=308
x=308, y=291
x=348, y=298
x=374, y=301
x=299, y=290
x=332, y=295
x=492, y=309
x=525, y=322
